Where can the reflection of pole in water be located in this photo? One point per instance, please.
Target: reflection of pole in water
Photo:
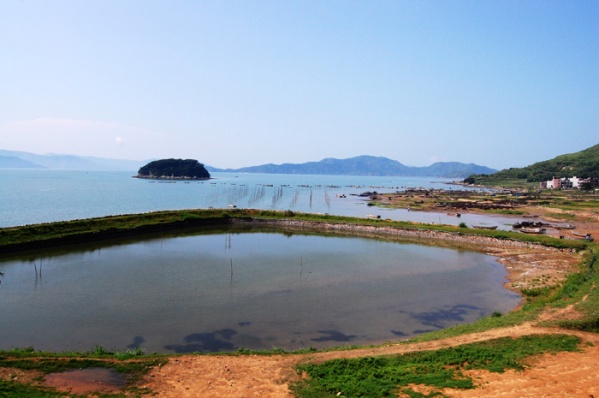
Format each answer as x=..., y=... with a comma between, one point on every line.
x=277, y=195
x=228, y=241
x=327, y=199
x=231, y=281
x=295, y=199
x=310, y=198
x=38, y=274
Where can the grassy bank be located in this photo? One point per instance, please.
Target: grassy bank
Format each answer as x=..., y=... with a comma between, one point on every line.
x=88, y=230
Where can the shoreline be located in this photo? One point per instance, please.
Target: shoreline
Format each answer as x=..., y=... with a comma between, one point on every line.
x=528, y=265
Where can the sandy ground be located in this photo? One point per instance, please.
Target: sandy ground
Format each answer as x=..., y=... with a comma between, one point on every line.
x=562, y=375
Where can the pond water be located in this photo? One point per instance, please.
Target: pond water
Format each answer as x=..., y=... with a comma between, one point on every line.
x=221, y=291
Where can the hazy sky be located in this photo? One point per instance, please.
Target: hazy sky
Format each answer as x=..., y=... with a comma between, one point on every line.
x=239, y=83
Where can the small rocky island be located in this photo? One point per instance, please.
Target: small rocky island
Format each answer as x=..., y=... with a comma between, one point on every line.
x=174, y=169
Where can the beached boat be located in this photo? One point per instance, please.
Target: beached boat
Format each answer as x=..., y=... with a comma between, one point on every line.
x=582, y=235
x=537, y=231
x=454, y=214
x=529, y=224
x=485, y=226
x=373, y=216
x=563, y=226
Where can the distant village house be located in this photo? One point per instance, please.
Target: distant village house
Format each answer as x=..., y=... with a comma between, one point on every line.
x=570, y=183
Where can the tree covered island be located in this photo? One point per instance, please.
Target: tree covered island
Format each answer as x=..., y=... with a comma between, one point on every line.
x=175, y=169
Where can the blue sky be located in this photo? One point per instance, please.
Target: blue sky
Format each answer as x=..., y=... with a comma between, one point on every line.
x=240, y=83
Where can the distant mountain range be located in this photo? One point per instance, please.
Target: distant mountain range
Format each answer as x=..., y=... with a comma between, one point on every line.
x=367, y=166
x=360, y=165
x=26, y=160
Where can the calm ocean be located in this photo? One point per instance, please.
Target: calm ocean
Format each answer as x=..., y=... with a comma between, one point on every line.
x=36, y=196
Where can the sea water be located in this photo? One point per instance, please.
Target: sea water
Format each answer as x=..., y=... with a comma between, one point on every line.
x=36, y=196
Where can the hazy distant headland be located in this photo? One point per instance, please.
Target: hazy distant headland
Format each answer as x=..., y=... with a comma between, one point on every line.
x=358, y=166
x=52, y=161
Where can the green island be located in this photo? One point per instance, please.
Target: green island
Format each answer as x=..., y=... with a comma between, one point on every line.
x=416, y=367
x=174, y=169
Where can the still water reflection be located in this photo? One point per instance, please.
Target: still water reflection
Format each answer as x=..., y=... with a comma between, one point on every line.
x=222, y=291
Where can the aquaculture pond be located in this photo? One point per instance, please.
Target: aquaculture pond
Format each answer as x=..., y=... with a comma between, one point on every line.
x=225, y=290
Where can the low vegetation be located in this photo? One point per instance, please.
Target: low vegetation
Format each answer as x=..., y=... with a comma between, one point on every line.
x=386, y=376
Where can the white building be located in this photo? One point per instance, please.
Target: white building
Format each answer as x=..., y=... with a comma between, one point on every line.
x=565, y=183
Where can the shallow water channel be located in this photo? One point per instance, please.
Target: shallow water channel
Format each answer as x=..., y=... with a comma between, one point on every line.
x=224, y=290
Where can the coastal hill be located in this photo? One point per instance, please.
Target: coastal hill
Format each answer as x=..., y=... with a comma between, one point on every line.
x=582, y=164
x=367, y=166
x=174, y=169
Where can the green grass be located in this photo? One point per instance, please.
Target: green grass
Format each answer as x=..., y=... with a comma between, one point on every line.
x=385, y=376
x=15, y=389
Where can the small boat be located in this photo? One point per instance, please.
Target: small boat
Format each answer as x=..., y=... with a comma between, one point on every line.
x=373, y=216
x=582, y=235
x=537, y=231
x=563, y=226
x=454, y=214
x=485, y=226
